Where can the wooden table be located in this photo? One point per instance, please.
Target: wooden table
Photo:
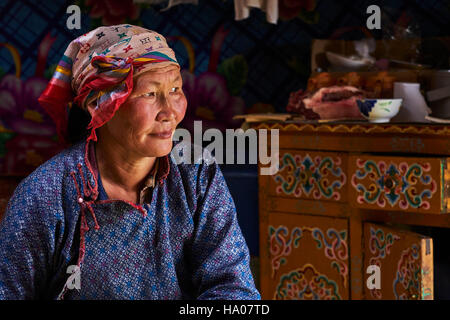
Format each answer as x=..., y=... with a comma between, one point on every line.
x=330, y=212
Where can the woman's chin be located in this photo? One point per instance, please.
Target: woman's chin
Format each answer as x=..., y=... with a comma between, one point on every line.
x=159, y=147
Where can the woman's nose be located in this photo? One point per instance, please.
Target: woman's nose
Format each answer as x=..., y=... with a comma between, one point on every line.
x=166, y=111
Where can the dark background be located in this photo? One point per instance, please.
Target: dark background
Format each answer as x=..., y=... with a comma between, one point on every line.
x=277, y=56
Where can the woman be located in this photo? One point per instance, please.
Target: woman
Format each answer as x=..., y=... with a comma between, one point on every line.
x=115, y=211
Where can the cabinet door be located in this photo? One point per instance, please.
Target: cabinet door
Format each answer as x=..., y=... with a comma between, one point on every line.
x=307, y=258
x=404, y=260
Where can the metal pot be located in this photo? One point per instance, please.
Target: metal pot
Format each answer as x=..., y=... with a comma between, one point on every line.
x=439, y=94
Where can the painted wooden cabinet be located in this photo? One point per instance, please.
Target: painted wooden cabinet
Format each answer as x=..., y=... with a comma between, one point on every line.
x=335, y=215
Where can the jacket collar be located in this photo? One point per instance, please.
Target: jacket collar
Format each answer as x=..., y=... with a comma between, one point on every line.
x=92, y=173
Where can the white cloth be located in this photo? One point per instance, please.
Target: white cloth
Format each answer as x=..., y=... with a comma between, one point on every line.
x=242, y=9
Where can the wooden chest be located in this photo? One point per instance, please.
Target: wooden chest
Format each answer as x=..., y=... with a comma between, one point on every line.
x=334, y=217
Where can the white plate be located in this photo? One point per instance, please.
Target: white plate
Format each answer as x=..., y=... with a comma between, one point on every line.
x=438, y=120
x=342, y=61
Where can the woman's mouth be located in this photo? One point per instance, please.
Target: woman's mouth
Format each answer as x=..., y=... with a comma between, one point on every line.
x=162, y=134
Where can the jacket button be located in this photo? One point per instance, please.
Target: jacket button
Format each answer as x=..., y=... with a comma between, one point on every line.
x=80, y=200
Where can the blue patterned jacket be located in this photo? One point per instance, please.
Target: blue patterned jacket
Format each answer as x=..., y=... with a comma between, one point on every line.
x=185, y=244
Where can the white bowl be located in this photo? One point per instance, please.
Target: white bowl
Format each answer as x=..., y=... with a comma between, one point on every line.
x=379, y=110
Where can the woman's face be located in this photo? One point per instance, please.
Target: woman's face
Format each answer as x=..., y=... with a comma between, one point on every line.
x=146, y=122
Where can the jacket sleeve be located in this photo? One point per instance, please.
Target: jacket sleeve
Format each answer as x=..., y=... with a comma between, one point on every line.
x=220, y=256
x=25, y=244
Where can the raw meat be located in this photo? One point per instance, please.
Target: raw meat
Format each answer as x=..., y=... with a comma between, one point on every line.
x=296, y=105
x=336, y=102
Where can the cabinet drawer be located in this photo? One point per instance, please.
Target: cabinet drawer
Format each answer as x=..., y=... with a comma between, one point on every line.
x=310, y=175
x=399, y=183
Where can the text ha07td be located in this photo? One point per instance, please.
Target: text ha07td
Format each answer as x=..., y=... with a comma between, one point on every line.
x=226, y=309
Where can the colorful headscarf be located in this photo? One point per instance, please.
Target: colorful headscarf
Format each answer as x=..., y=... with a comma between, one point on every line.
x=100, y=65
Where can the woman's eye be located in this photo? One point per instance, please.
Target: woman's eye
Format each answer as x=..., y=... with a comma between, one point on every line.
x=175, y=89
x=150, y=94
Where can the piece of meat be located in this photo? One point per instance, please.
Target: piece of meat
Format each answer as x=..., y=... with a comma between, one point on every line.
x=339, y=95
x=336, y=102
x=296, y=105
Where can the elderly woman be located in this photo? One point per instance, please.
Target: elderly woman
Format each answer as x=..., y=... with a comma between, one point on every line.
x=115, y=211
